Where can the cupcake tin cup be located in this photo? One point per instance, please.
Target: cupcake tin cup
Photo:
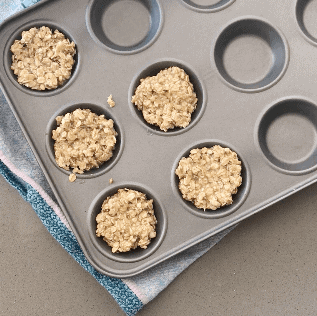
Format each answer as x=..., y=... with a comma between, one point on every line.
x=138, y=253
x=238, y=198
x=253, y=66
x=140, y=24
x=151, y=70
x=17, y=35
x=256, y=41
x=99, y=110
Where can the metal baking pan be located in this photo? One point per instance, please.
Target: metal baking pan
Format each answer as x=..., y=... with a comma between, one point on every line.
x=253, y=66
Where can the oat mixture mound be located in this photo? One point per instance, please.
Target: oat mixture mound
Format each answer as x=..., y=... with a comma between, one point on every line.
x=209, y=177
x=167, y=99
x=42, y=59
x=83, y=140
x=126, y=221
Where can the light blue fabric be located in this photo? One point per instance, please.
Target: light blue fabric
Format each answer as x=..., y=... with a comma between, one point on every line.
x=131, y=294
x=9, y=7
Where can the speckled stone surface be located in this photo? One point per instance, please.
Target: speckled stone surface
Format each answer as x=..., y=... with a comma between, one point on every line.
x=266, y=266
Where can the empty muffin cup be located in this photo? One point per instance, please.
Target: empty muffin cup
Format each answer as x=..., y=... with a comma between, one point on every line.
x=138, y=253
x=250, y=54
x=140, y=24
x=306, y=14
x=286, y=134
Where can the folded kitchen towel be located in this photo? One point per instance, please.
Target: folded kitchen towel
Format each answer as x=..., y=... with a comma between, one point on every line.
x=20, y=168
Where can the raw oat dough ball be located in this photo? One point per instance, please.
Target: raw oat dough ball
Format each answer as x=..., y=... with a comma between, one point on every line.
x=209, y=177
x=167, y=99
x=83, y=140
x=42, y=59
x=126, y=221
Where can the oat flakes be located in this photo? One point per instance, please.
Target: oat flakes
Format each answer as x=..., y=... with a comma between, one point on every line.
x=167, y=99
x=42, y=59
x=209, y=177
x=72, y=177
x=83, y=140
x=110, y=101
x=126, y=221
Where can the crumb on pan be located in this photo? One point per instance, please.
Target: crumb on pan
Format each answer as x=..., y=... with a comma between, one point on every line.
x=72, y=177
x=83, y=140
x=126, y=221
x=167, y=99
x=42, y=59
x=209, y=177
x=110, y=180
x=110, y=101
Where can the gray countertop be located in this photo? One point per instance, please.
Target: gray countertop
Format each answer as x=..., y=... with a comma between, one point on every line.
x=266, y=266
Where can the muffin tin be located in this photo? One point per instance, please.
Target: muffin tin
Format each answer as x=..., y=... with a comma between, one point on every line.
x=253, y=65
